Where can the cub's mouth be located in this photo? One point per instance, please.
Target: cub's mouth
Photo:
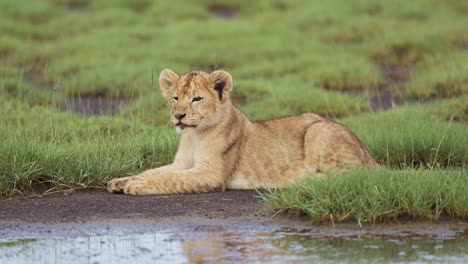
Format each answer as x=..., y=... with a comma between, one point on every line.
x=183, y=125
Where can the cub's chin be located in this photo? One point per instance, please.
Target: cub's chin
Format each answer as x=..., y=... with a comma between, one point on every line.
x=182, y=128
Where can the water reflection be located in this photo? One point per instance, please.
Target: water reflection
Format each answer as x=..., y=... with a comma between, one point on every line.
x=290, y=246
x=381, y=248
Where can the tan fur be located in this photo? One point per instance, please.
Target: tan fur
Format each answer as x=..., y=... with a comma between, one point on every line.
x=221, y=148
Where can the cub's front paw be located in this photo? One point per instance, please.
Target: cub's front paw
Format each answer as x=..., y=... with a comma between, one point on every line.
x=117, y=185
x=137, y=186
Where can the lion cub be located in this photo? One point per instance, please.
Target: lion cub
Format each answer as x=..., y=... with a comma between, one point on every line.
x=221, y=148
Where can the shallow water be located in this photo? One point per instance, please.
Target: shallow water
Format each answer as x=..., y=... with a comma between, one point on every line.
x=281, y=246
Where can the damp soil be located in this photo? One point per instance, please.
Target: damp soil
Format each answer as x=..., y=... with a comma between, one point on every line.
x=232, y=208
x=97, y=212
x=99, y=204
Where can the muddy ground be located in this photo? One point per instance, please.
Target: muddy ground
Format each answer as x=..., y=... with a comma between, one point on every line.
x=98, y=204
x=97, y=212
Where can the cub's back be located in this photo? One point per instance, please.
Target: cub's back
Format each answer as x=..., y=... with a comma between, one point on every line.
x=277, y=152
x=273, y=150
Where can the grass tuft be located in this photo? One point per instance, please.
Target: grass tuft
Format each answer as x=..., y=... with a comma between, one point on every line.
x=442, y=76
x=412, y=136
x=371, y=196
x=66, y=150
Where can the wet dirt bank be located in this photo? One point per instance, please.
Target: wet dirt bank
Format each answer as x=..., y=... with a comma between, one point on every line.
x=100, y=213
x=99, y=204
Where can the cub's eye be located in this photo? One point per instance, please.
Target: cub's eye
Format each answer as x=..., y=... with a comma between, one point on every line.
x=175, y=98
x=197, y=99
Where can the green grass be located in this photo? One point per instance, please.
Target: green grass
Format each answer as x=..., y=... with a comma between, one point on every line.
x=286, y=57
x=440, y=77
x=455, y=109
x=412, y=136
x=99, y=48
x=14, y=86
x=297, y=99
x=65, y=150
x=423, y=151
x=377, y=196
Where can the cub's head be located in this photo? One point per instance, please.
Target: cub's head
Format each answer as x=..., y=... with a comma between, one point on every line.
x=198, y=100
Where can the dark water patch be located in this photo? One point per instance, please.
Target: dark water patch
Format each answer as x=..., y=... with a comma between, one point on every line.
x=389, y=93
x=90, y=105
x=74, y=5
x=385, y=98
x=86, y=104
x=280, y=5
x=461, y=45
x=396, y=74
x=34, y=79
x=223, y=12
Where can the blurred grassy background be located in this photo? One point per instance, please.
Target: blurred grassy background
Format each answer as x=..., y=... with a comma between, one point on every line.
x=395, y=72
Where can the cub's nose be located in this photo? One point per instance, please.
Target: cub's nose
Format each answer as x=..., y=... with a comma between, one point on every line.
x=180, y=116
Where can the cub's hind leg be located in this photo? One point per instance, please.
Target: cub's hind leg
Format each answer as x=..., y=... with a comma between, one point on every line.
x=329, y=146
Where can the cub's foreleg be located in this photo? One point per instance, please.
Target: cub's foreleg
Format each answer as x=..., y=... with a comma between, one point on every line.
x=182, y=161
x=117, y=185
x=188, y=181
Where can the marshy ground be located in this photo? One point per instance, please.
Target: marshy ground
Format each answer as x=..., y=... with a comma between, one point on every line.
x=79, y=103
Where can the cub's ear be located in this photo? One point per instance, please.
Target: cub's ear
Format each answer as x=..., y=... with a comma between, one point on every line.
x=167, y=79
x=222, y=83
